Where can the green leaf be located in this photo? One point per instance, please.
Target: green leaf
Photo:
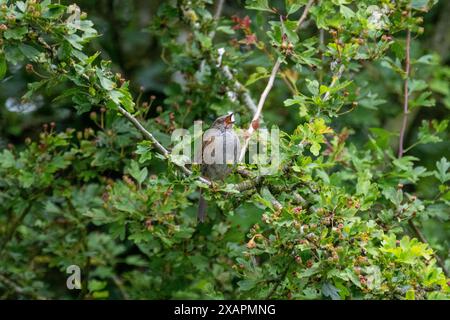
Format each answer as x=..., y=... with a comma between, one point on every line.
x=7, y=159
x=442, y=167
x=261, y=5
x=226, y=30
x=96, y=285
x=328, y=290
x=315, y=148
x=75, y=40
x=292, y=6
x=419, y=4
x=115, y=96
x=3, y=66
x=410, y=295
x=313, y=86
x=261, y=73
x=204, y=39
x=15, y=33
x=104, y=81
x=21, y=6
x=346, y=12
x=29, y=51
x=245, y=285
x=54, y=11
x=138, y=174
x=144, y=149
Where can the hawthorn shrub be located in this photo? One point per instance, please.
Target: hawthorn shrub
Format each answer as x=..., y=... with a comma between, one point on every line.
x=342, y=216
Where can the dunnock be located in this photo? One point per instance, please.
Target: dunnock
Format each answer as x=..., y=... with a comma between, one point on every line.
x=220, y=150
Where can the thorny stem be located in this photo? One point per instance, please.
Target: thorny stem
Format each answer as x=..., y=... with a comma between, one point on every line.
x=416, y=230
x=405, y=94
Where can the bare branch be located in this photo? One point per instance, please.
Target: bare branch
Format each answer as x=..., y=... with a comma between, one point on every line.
x=219, y=8
x=217, y=14
x=144, y=131
x=255, y=121
x=158, y=146
x=240, y=89
x=304, y=14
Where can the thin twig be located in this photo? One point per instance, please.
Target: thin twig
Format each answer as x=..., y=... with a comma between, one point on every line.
x=240, y=89
x=156, y=143
x=422, y=238
x=335, y=79
x=405, y=94
x=14, y=227
x=145, y=132
x=19, y=290
x=245, y=185
x=217, y=14
x=402, y=136
x=219, y=8
x=119, y=283
x=278, y=282
x=304, y=14
x=254, y=124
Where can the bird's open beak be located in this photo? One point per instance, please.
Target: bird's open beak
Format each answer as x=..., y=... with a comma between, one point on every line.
x=230, y=119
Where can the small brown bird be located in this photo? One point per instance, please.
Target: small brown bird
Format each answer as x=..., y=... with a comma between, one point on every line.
x=220, y=151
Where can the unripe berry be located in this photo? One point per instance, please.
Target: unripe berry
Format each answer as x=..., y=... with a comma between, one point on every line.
x=251, y=244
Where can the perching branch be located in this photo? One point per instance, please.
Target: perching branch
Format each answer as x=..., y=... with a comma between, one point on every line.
x=158, y=146
x=405, y=94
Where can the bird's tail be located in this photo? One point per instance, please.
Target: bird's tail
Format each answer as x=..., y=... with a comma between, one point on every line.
x=201, y=208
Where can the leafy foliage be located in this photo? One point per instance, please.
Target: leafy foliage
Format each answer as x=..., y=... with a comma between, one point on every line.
x=334, y=221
